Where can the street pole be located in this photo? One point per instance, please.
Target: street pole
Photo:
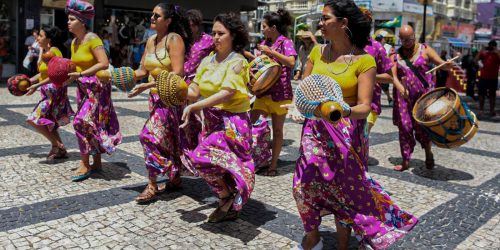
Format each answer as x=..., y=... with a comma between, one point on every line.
x=422, y=38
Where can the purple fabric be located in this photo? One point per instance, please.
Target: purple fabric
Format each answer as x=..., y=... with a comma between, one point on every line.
x=224, y=152
x=164, y=142
x=282, y=89
x=409, y=130
x=331, y=178
x=54, y=109
x=262, y=146
x=199, y=50
x=96, y=125
x=384, y=65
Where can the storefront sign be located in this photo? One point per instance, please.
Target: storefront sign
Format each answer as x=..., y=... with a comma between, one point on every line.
x=58, y=4
x=466, y=32
x=417, y=8
x=387, y=5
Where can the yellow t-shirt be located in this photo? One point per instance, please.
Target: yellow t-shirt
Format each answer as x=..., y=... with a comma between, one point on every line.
x=232, y=73
x=42, y=66
x=83, y=57
x=348, y=80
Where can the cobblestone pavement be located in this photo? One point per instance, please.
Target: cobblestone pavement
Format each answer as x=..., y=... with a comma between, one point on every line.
x=458, y=202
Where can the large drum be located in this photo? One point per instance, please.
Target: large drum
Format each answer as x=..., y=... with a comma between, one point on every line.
x=446, y=119
x=123, y=78
x=320, y=96
x=18, y=84
x=58, y=69
x=264, y=72
x=172, y=89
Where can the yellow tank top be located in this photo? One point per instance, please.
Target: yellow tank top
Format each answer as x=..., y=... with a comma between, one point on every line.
x=82, y=56
x=42, y=66
x=157, y=59
x=348, y=79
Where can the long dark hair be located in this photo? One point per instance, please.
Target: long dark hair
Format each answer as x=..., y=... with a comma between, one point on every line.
x=179, y=23
x=55, y=36
x=232, y=22
x=281, y=19
x=358, y=23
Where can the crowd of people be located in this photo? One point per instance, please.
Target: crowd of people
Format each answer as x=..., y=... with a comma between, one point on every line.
x=331, y=175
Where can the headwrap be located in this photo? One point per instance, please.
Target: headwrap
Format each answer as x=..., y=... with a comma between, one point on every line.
x=82, y=10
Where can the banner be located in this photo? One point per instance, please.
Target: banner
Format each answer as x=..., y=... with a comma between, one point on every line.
x=394, y=23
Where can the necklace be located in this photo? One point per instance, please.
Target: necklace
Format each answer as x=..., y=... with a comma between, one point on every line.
x=348, y=64
x=156, y=54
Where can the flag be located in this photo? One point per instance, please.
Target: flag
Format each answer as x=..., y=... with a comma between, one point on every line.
x=394, y=23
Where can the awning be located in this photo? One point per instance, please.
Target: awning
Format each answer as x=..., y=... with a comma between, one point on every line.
x=459, y=43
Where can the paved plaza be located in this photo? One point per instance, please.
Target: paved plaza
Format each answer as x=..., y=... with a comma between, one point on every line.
x=458, y=202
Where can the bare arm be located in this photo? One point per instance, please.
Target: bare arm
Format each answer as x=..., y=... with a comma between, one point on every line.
x=308, y=68
x=222, y=96
x=193, y=92
x=249, y=55
x=384, y=78
x=366, y=81
x=436, y=59
x=176, y=50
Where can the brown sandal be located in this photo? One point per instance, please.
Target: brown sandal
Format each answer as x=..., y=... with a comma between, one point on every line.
x=219, y=216
x=429, y=163
x=271, y=172
x=57, y=153
x=149, y=194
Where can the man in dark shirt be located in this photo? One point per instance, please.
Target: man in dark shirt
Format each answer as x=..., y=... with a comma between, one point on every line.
x=488, y=78
x=470, y=66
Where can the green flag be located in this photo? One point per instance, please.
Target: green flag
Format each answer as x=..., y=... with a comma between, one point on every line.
x=394, y=23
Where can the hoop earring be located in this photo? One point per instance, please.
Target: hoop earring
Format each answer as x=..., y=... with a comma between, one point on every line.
x=347, y=28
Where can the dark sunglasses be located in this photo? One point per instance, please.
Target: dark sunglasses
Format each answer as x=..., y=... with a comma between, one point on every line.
x=156, y=16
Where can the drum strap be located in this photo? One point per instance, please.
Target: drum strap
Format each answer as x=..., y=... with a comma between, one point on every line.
x=417, y=73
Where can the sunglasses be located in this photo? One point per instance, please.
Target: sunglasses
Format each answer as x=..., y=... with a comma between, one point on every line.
x=156, y=16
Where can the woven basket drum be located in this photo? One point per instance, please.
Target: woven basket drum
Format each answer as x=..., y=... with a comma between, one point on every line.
x=172, y=89
x=447, y=120
x=264, y=72
x=315, y=90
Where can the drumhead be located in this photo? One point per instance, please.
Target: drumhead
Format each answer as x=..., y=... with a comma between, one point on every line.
x=435, y=105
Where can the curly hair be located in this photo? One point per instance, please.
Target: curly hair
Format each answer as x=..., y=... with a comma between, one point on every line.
x=237, y=29
x=358, y=23
x=179, y=23
x=55, y=36
x=195, y=16
x=281, y=19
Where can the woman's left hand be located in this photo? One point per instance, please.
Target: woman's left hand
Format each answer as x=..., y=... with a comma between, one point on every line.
x=72, y=77
x=265, y=49
x=185, y=115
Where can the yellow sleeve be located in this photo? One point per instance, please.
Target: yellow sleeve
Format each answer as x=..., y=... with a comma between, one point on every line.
x=56, y=51
x=201, y=68
x=315, y=53
x=237, y=75
x=95, y=42
x=367, y=62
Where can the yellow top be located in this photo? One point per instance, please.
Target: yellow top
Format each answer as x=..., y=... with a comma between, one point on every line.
x=232, y=73
x=83, y=57
x=156, y=59
x=42, y=66
x=348, y=80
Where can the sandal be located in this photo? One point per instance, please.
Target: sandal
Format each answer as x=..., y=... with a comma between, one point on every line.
x=149, y=194
x=80, y=175
x=218, y=215
x=429, y=163
x=271, y=172
x=400, y=168
x=170, y=186
x=57, y=153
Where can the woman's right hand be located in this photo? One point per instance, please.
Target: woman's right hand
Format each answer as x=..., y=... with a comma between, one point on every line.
x=293, y=113
x=137, y=90
x=403, y=91
x=32, y=89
